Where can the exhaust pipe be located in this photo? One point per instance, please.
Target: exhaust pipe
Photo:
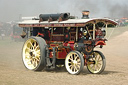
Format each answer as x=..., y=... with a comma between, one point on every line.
x=54, y=17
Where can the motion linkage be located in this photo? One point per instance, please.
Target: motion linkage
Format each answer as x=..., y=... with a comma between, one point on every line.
x=50, y=63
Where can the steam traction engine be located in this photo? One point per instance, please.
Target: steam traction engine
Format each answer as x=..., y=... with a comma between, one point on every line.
x=60, y=39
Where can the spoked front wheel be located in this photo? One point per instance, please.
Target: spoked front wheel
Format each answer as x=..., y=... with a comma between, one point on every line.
x=96, y=63
x=74, y=62
x=33, y=53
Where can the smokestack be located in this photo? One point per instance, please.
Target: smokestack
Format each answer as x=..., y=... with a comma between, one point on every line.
x=85, y=14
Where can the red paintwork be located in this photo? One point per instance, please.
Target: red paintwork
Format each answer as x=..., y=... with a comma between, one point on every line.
x=100, y=43
x=54, y=25
x=62, y=52
x=41, y=34
x=71, y=42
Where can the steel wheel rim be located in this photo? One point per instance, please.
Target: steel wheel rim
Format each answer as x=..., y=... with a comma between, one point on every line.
x=73, y=63
x=31, y=54
x=98, y=63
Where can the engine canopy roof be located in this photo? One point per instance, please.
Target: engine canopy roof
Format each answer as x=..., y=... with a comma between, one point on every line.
x=66, y=23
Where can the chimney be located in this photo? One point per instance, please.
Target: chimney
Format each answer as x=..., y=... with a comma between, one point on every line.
x=85, y=14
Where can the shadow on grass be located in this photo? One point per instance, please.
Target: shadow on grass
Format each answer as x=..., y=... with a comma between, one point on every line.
x=103, y=73
x=57, y=70
x=110, y=72
x=84, y=72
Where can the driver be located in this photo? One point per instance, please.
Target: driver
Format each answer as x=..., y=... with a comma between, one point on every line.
x=44, y=34
x=67, y=35
x=85, y=36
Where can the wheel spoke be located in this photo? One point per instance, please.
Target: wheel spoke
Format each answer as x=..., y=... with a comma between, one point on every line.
x=78, y=66
x=38, y=51
x=32, y=61
x=36, y=47
x=75, y=69
x=27, y=48
x=69, y=62
x=70, y=58
x=30, y=43
x=27, y=58
x=27, y=54
x=35, y=62
x=78, y=60
x=37, y=55
x=37, y=59
x=70, y=66
x=34, y=44
x=98, y=67
x=29, y=61
x=99, y=63
x=93, y=67
x=100, y=60
x=98, y=57
x=76, y=56
x=93, y=58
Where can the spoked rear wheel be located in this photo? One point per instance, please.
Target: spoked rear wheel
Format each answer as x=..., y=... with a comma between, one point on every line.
x=33, y=53
x=74, y=62
x=96, y=64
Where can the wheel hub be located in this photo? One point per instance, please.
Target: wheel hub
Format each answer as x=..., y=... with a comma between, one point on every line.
x=74, y=62
x=31, y=53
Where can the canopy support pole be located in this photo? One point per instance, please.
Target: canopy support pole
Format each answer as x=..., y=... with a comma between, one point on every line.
x=76, y=33
x=51, y=33
x=106, y=27
x=94, y=27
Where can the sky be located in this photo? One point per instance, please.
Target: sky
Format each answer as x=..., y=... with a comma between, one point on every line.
x=11, y=10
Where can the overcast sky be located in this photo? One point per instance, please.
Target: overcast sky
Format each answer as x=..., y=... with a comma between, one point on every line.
x=12, y=9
